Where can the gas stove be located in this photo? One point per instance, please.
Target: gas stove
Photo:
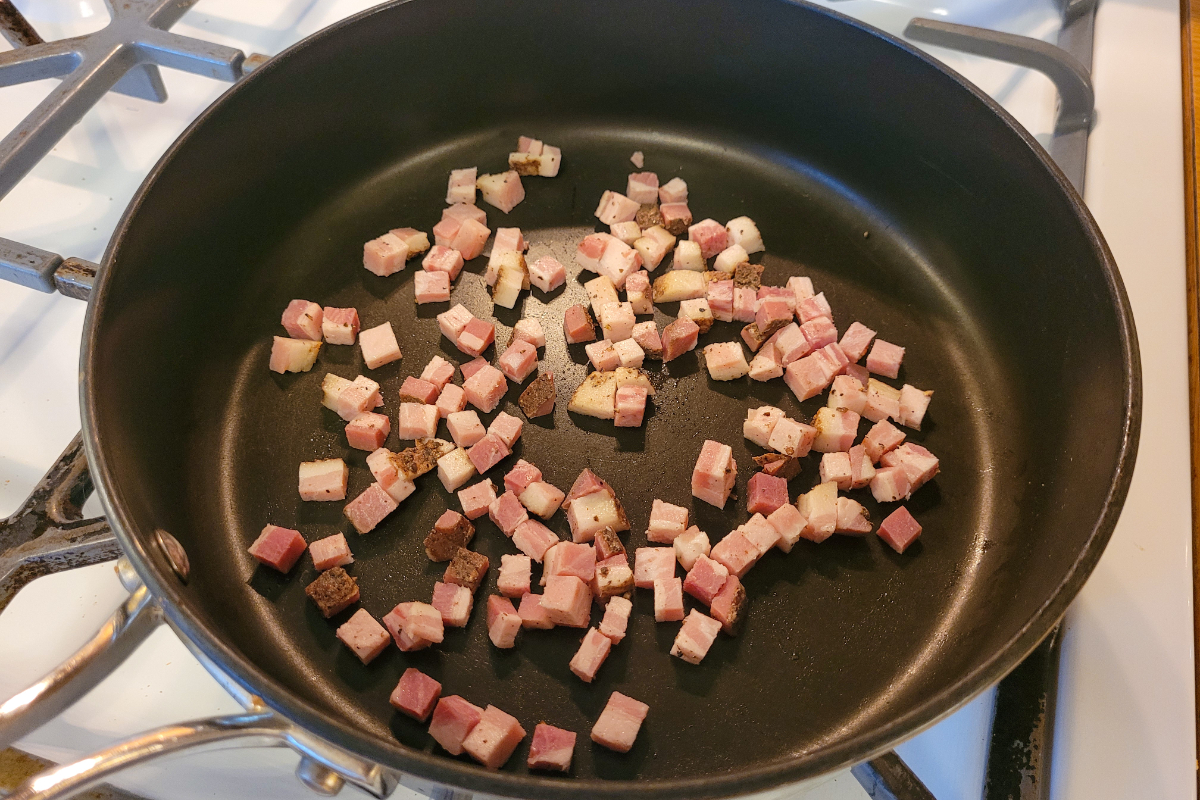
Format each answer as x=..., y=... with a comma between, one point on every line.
x=1125, y=724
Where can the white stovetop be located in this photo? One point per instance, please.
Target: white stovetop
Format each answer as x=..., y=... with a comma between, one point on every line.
x=1125, y=716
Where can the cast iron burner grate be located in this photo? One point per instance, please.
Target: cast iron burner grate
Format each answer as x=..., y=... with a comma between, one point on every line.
x=48, y=533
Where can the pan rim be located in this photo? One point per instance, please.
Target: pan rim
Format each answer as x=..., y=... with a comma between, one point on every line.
x=792, y=769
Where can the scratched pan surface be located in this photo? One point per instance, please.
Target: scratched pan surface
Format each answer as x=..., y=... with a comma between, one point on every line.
x=908, y=200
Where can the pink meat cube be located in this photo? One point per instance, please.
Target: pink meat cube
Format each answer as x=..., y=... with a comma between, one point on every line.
x=760, y=424
x=445, y=231
x=591, y=654
x=789, y=523
x=882, y=401
x=695, y=637
x=728, y=607
x=835, y=467
x=461, y=187
x=340, y=325
x=705, y=579
x=416, y=390
x=368, y=431
x=847, y=392
x=503, y=622
x=884, y=358
x=420, y=625
x=608, y=544
x=280, y=548
x=766, y=365
x=521, y=475
x=760, y=533
x=518, y=361
x=603, y=355
x=666, y=522
x=630, y=406
x=809, y=376
x=503, y=190
x=551, y=748
x=637, y=290
x=361, y=395
x=488, y=452
x=679, y=337
x=890, y=484
x=476, y=336
x=465, y=428
x=379, y=346
x=533, y=539
x=438, y=371
x=773, y=313
x=851, y=517
x=542, y=498
x=714, y=474
x=507, y=428
x=365, y=637
x=386, y=255
x=532, y=614
x=567, y=600
x=619, y=723
x=323, y=480
x=736, y=552
x=861, y=468
x=431, y=287
x=814, y=307
x=469, y=240
x=303, y=319
x=791, y=344
x=882, y=438
x=591, y=250
x=673, y=191
x=454, y=603
x=819, y=332
x=766, y=493
x=547, y=273
x=710, y=235
x=615, y=207
x=856, y=340
x=509, y=239
x=515, y=574
x=485, y=388
x=461, y=212
x=571, y=558
x=651, y=564
x=918, y=464
x=745, y=303
x=913, y=405
x=529, y=330
x=642, y=187
x=417, y=421
x=858, y=372
x=367, y=510
x=577, y=325
x=453, y=322
x=616, y=618
x=837, y=428
x=613, y=577
x=477, y=499
x=453, y=720
x=720, y=300
x=330, y=552
x=507, y=513
x=492, y=741
x=676, y=217
x=415, y=694
x=451, y=400
x=899, y=529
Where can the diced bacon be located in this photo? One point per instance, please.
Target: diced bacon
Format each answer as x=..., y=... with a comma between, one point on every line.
x=729, y=606
x=473, y=366
x=539, y=396
x=654, y=244
x=705, y=579
x=416, y=390
x=587, y=483
x=465, y=428
x=453, y=322
x=773, y=314
x=507, y=513
x=673, y=191
x=542, y=498
x=835, y=467
x=386, y=255
x=324, y=479
x=417, y=241
x=666, y=522
x=883, y=437
x=728, y=259
x=591, y=654
x=504, y=190
x=696, y=309
x=332, y=551
x=619, y=723
x=714, y=474
x=720, y=300
x=518, y=361
x=340, y=325
x=814, y=307
x=526, y=144
x=365, y=637
x=645, y=334
x=630, y=407
x=766, y=364
x=379, y=345
x=744, y=232
x=431, y=287
x=485, y=388
x=577, y=325
x=551, y=748
x=726, y=361
x=790, y=343
x=453, y=603
x=668, y=598
x=710, y=235
x=613, y=577
x=676, y=217
x=616, y=618
x=591, y=250
x=509, y=239
x=761, y=534
x=502, y=619
x=766, y=493
x=884, y=359
x=461, y=212
x=281, y=548
x=333, y=591
x=532, y=614
x=303, y=319
x=735, y=552
x=862, y=470
x=695, y=637
x=837, y=428
x=448, y=261
x=521, y=475
x=445, y=231
x=529, y=330
x=461, y=186
x=677, y=285
x=416, y=694
x=642, y=187
x=852, y=518
x=547, y=273
x=601, y=292
x=617, y=321
x=368, y=431
x=883, y=401
x=567, y=600
x=615, y=207
x=467, y=568
x=639, y=161
x=414, y=626
x=678, y=338
x=809, y=376
x=451, y=400
x=533, y=539
x=603, y=355
x=452, y=721
x=367, y=510
x=689, y=546
x=360, y=395
x=651, y=564
x=847, y=393
x=628, y=232
x=913, y=404
x=819, y=332
x=856, y=340
x=455, y=469
x=469, y=242
x=858, y=372
x=630, y=354
x=594, y=512
x=571, y=558
x=819, y=509
x=492, y=741
x=476, y=499
x=789, y=523
x=332, y=387
x=918, y=464
x=899, y=530
x=488, y=452
x=745, y=303
x=608, y=544
x=801, y=287
x=417, y=421
x=688, y=255
x=476, y=337
x=760, y=423
x=293, y=355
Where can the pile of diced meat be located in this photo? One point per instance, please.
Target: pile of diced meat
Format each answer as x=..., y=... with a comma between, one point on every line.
x=545, y=582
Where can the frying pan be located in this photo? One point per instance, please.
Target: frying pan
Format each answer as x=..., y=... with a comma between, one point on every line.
x=913, y=201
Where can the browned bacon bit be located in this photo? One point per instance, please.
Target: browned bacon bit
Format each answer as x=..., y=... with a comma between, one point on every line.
x=538, y=398
x=748, y=275
x=466, y=569
x=754, y=337
x=648, y=216
x=608, y=543
x=333, y=591
x=415, y=461
x=779, y=465
x=451, y=531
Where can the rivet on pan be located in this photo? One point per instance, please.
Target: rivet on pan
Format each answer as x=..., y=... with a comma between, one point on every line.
x=128, y=575
x=318, y=777
x=173, y=550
